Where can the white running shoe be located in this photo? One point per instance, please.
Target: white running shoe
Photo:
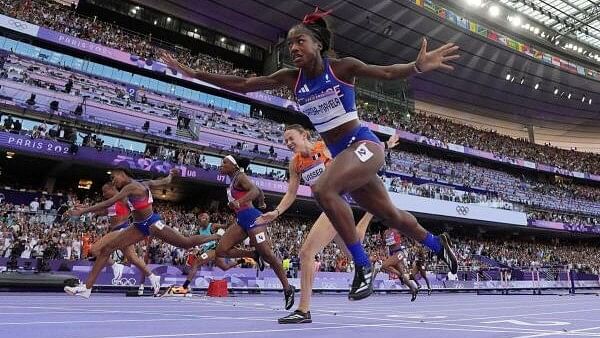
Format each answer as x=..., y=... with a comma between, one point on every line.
x=80, y=290
x=155, y=281
x=118, y=270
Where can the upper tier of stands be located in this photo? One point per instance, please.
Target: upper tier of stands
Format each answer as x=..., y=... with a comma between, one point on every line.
x=60, y=18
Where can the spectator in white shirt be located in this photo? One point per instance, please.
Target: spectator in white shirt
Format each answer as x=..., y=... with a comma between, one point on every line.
x=34, y=205
x=48, y=204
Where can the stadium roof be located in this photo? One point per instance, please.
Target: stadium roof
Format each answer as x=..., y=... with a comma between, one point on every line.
x=578, y=19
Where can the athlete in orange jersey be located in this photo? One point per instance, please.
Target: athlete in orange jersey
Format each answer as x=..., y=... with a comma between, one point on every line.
x=308, y=164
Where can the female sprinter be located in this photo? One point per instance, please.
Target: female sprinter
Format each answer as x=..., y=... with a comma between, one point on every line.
x=145, y=221
x=241, y=193
x=325, y=93
x=118, y=215
x=396, y=261
x=206, y=253
x=309, y=162
x=419, y=266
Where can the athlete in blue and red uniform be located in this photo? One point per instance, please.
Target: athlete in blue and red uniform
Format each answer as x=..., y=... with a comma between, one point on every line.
x=145, y=221
x=241, y=193
x=396, y=261
x=419, y=266
x=206, y=252
x=118, y=215
x=325, y=93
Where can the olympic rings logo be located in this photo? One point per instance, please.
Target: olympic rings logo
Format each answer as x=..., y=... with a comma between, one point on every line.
x=462, y=210
x=124, y=282
x=18, y=24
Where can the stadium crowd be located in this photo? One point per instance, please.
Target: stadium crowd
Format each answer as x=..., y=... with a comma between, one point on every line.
x=448, y=131
x=32, y=228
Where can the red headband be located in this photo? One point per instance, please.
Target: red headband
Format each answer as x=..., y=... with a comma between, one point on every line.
x=314, y=16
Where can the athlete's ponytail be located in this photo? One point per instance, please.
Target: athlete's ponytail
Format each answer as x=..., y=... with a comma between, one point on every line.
x=315, y=23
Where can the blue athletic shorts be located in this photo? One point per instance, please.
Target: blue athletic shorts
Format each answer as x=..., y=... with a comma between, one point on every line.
x=124, y=225
x=144, y=226
x=247, y=218
x=356, y=135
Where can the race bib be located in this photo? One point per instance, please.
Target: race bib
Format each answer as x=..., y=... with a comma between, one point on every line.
x=260, y=237
x=323, y=107
x=311, y=175
x=159, y=225
x=363, y=153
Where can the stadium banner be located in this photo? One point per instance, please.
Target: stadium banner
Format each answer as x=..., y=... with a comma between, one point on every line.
x=458, y=210
x=83, y=45
x=529, y=164
x=247, y=278
x=456, y=147
x=564, y=226
x=479, y=153
x=546, y=224
x=18, y=25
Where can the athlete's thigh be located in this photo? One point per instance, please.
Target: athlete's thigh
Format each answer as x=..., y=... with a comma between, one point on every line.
x=129, y=253
x=101, y=242
x=125, y=238
x=232, y=236
x=350, y=171
x=321, y=234
x=258, y=236
x=206, y=257
x=391, y=261
x=374, y=198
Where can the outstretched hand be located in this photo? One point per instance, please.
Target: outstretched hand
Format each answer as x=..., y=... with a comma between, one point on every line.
x=169, y=60
x=437, y=58
x=393, y=141
x=267, y=217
